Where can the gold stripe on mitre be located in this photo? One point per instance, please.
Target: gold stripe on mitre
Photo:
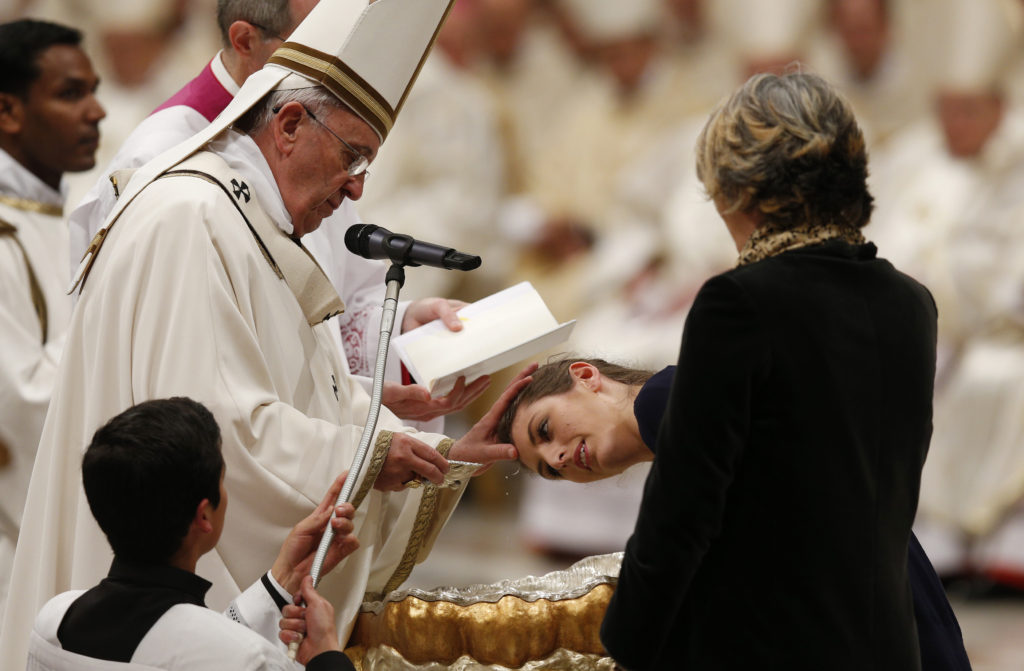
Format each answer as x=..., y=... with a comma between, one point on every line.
x=32, y=206
x=340, y=80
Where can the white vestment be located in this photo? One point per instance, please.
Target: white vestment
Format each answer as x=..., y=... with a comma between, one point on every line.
x=183, y=300
x=31, y=338
x=359, y=281
x=186, y=637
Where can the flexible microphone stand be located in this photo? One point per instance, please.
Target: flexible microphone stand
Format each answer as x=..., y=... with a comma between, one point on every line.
x=394, y=279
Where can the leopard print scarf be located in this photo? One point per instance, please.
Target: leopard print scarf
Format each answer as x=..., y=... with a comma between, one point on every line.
x=769, y=239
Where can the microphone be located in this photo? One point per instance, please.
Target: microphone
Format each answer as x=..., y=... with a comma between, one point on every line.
x=374, y=242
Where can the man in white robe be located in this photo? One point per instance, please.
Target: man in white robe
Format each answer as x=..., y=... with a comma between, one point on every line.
x=199, y=288
x=48, y=126
x=250, y=32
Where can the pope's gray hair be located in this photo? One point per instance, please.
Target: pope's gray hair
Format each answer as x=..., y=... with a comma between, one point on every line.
x=316, y=99
x=273, y=15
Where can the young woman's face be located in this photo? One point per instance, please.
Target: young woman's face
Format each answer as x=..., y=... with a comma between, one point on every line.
x=581, y=435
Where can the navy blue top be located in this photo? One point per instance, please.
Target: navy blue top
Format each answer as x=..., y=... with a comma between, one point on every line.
x=938, y=632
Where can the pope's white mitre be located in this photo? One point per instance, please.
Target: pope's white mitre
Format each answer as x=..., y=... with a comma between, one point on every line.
x=375, y=63
x=981, y=37
x=367, y=53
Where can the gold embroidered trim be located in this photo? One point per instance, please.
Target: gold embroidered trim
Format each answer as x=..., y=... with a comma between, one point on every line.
x=380, y=454
x=445, y=446
x=339, y=78
x=35, y=290
x=32, y=206
x=420, y=528
x=771, y=240
x=424, y=515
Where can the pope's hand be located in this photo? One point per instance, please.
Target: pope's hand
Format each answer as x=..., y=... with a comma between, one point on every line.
x=295, y=559
x=410, y=459
x=480, y=444
x=426, y=310
x=413, y=402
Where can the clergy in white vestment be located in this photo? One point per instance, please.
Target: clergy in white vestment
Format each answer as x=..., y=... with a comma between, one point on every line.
x=250, y=32
x=49, y=125
x=949, y=210
x=198, y=285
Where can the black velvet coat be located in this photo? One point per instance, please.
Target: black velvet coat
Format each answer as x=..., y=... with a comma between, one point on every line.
x=775, y=520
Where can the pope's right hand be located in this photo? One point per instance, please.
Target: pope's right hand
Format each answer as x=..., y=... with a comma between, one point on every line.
x=410, y=459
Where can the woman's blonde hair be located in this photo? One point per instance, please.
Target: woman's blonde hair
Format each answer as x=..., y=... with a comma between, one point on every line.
x=788, y=148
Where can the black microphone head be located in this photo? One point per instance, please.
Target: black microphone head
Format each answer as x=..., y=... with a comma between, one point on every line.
x=454, y=260
x=352, y=236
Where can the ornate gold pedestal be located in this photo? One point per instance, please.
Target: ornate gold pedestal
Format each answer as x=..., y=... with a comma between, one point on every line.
x=547, y=622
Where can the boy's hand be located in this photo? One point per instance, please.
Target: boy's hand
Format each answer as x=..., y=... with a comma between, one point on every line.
x=295, y=559
x=312, y=625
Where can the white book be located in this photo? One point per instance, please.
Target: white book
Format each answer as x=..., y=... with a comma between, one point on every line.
x=498, y=331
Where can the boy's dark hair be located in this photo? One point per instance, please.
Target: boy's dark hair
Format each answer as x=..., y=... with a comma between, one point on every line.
x=145, y=473
x=21, y=43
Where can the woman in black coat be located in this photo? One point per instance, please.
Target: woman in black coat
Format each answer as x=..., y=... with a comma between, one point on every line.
x=774, y=526
x=581, y=420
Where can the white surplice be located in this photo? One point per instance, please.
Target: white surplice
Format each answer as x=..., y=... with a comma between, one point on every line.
x=31, y=230
x=185, y=637
x=182, y=300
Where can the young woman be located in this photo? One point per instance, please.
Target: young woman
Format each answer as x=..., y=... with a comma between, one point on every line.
x=587, y=419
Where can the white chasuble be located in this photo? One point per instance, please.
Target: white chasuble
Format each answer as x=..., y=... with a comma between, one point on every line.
x=185, y=300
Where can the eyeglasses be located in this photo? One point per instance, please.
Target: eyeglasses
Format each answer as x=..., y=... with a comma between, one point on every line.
x=358, y=165
x=265, y=31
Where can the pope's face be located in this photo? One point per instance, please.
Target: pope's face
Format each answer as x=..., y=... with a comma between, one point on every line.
x=317, y=169
x=579, y=435
x=60, y=116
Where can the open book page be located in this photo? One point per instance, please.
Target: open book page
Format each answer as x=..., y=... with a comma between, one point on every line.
x=498, y=331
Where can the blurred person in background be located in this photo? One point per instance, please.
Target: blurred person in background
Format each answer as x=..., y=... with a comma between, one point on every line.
x=868, y=52
x=702, y=64
x=612, y=118
x=440, y=177
x=530, y=68
x=49, y=126
x=143, y=50
x=661, y=240
x=950, y=209
x=667, y=239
